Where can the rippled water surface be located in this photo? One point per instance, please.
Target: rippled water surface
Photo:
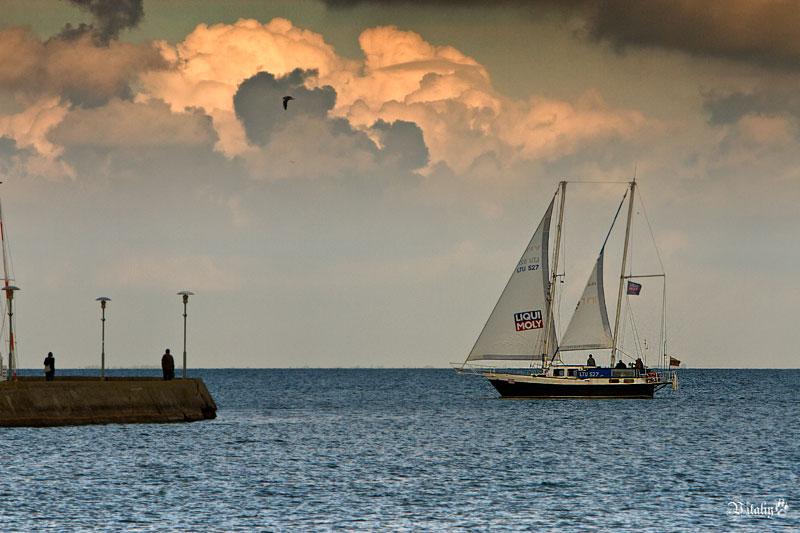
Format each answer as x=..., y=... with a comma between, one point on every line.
x=410, y=450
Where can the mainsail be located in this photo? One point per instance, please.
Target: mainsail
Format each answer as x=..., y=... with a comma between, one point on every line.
x=516, y=328
x=589, y=328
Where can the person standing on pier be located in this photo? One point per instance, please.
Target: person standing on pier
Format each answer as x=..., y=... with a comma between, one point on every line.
x=50, y=367
x=168, y=366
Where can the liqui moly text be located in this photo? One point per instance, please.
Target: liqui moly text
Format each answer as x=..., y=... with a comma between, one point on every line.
x=528, y=320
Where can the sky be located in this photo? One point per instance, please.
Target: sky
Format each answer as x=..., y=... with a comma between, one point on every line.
x=144, y=150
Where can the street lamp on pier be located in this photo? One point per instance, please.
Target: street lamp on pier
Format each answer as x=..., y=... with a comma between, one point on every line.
x=103, y=301
x=185, y=295
x=12, y=363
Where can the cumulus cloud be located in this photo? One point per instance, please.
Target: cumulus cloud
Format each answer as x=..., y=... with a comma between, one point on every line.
x=29, y=128
x=127, y=124
x=49, y=77
x=447, y=94
x=211, y=63
x=406, y=104
x=451, y=98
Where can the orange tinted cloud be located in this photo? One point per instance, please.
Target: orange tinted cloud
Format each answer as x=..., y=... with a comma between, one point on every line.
x=447, y=94
x=402, y=77
x=29, y=127
x=123, y=123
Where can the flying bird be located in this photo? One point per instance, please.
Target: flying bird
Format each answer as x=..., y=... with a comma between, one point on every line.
x=286, y=101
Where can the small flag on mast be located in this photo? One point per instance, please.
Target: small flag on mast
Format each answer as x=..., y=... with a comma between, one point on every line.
x=634, y=288
x=674, y=362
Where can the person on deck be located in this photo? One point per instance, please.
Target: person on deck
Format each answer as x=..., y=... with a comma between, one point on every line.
x=590, y=361
x=620, y=364
x=168, y=366
x=639, y=365
x=50, y=367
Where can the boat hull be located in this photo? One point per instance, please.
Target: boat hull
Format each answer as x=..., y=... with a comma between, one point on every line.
x=527, y=389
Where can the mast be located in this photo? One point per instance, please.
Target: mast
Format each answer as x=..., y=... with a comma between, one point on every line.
x=554, y=277
x=12, y=371
x=622, y=275
x=5, y=254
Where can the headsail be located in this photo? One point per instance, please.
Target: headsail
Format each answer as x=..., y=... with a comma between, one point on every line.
x=589, y=328
x=516, y=328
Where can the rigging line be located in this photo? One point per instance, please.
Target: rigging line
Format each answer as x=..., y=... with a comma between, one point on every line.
x=663, y=344
x=626, y=354
x=614, y=221
x=637, y=341
x=599, y=182
x=10, y=257
x=663, y=339
x=621, y=335
x=650, y=228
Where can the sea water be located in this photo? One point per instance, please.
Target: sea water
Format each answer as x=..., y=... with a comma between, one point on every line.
x=411, y=450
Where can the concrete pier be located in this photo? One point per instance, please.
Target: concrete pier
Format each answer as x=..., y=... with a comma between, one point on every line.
x=76, y=400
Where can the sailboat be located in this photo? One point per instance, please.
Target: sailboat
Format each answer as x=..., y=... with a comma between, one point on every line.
x=522, y=327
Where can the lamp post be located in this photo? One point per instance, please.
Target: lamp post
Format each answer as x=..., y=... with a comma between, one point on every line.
x=103, y=301
x=12, y=364
x=185, y=295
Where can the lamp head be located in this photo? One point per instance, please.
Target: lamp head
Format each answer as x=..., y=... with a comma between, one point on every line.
x=186, y=295
x=10, y=291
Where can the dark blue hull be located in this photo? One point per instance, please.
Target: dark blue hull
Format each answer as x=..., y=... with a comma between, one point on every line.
x=521, y=389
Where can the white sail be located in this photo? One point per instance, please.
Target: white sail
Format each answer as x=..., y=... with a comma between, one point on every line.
x=589, y=328
x=516, y=328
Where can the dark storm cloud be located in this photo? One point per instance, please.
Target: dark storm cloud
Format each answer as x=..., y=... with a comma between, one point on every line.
x=8, y=148
x=729, y=108
x=87, y=64
x=110, y=18
x=259, y=106
x=442, y=3
x=760, y=32
x=259, y=102
x=79, y=70
x=402, y=144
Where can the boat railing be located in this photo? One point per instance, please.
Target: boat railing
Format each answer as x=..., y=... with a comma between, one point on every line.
x=662, y=377
x=659, y=377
